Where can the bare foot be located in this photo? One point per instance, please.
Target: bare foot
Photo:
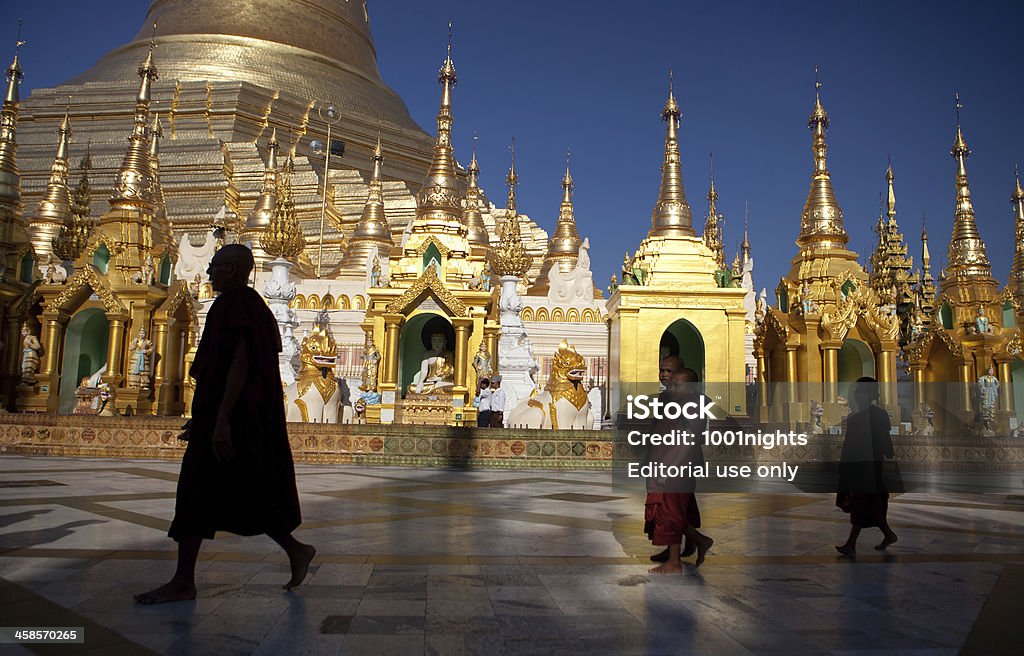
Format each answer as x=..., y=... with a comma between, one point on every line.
x=688, y=549
x=846, y=550
x=667, y=568
x=660, y=557
x=300, y=560
x=703, y=546
x=170, y=591
x=886, y=541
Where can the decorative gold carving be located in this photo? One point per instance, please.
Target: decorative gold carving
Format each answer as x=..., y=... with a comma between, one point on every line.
x=87, y=276
x=283, y=237
x=427, y=281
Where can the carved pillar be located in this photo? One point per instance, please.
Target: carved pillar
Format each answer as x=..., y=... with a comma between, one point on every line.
x=762, y=384
x=1005, y=388
x=918, y=375
x=115, y=350
x=885, y=367
x=462, y=326
x=830, y=365
x=791, y=375
x=50, y=338
x=392, y=324
x=965, y=387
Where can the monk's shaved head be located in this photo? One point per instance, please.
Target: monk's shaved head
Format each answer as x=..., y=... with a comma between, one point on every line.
x=238, y=255
x=230, y=267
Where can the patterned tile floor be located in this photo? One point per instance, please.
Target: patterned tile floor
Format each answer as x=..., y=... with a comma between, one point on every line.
x=493, y=562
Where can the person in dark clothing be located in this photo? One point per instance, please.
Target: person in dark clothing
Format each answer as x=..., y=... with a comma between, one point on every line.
x=669, y=507
x=669, y=367
x=237, y=473
x=861, y=490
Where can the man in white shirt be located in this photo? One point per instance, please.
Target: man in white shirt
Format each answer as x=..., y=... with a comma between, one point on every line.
x=497, y=403
x=483, y=404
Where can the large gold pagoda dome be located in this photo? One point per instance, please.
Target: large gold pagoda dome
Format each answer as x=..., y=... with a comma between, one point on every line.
x=315, y=49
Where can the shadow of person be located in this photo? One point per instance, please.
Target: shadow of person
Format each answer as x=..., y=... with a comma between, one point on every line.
x=34, y=538
x=14, y=518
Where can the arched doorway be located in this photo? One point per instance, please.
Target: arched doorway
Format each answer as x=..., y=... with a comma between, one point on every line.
x=85, y=352
x=414, y=341
x=1017, y=387
x=855, y=361
x=683, y=339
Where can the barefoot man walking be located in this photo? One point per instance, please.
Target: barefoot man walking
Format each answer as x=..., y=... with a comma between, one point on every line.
x=237, y=474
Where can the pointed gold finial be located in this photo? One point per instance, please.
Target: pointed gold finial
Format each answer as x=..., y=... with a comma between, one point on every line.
x=439, y=200
x=14, y=73
x=968, y=257
x=821, y=222
x=476, y=230
x=567, y=183
x=1016, y=282
x=156, y=133
x=53, y=216
x=283, y=237
x=266, y=203
x=671, y=215
x=713, y=237
x=512, y=180
x=564, y=244
x=889, y=177
x=372, y=232
x=510, y=258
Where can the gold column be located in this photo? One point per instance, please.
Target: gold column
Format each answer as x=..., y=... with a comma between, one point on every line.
x=830, y=358
x=492, y=348
x=115, y=346
x=160, y=343
x=918, y=373
x=392, y=323
x=1005, y=388
x=791, y=374
x=884, y=366
x=462, y=326
x=965, y=387
x=762, y=379
x=50, y=340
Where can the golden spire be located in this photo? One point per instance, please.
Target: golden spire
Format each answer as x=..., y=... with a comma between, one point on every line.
x=1017, y=269
x=10, y=177
x=713, y=223
x=77, y=228
x=671, y=215
x=967, y=253
x=135, y=185
x=889, y=177
x=54, y=209
x=266, y=202
x=926, y=283
x=510, y=259
x=821, y=224
x=161, y=222
x=477, y=230
x=439, y=200
x=372, y=228
x=564, y=245
x=283, y=237
x=745, y=245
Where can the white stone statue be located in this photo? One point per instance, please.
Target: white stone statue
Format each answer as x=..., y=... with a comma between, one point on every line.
x=437, y=370
x=576, y=286
x=31, y=349
x=564, y=403
x=981, y=322
x=315, y=396
x=145, y=275
x=988, y=398
x=55, y=274
x=194, y=259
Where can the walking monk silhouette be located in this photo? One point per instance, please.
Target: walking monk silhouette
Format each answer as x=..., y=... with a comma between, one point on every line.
x=237, y=474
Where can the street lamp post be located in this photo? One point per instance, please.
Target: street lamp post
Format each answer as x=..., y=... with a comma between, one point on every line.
x=329, y=115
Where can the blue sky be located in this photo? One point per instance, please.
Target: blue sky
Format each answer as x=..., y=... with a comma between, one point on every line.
x=592, y=77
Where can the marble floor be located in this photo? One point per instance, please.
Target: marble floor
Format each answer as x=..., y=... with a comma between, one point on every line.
x=496, y=562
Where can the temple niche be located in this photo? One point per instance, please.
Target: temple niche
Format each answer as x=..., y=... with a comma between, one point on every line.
x=677, y=294
x=829, y=326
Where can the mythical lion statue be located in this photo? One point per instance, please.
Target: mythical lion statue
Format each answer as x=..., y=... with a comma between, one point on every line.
x=564, y=403
x=315, y=395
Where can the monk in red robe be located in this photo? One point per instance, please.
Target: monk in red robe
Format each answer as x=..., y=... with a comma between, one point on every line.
x=237, y=473
x=670, y=505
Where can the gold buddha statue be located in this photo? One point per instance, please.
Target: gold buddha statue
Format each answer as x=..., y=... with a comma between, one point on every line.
x=437, y=370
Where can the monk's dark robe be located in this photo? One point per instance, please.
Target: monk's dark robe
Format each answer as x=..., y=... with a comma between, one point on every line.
x=861, y=489
x=255, y=491
x=671, y=504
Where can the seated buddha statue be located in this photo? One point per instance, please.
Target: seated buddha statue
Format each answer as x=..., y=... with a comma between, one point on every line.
x=437, y=370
